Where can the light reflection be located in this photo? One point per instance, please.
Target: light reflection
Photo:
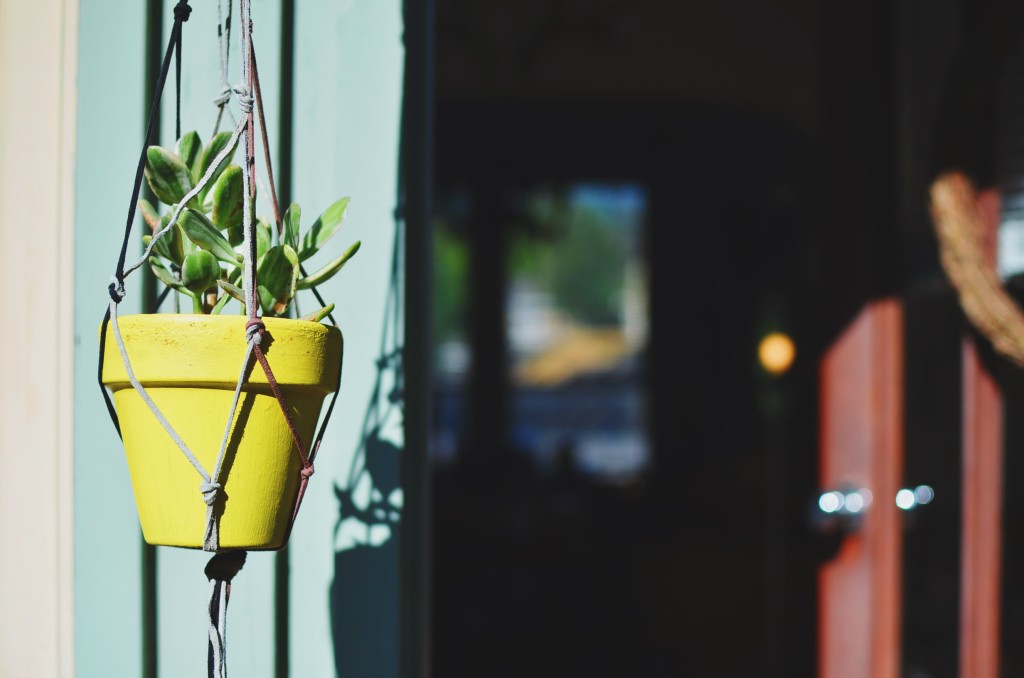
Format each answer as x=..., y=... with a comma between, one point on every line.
x=830, y=502
x=905, y=499
x=924, y=494
x=855, y=502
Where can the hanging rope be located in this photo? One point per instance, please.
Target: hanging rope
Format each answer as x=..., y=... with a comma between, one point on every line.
x=116, y=287
x=276, y=209
x=221, y=569
x=224, y=54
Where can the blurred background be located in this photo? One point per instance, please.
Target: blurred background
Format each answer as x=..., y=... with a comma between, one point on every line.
x=692, y=339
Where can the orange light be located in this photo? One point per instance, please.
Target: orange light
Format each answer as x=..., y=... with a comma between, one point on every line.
x=776, y=353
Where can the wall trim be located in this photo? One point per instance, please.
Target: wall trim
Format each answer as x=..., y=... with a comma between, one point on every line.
x=38, y=107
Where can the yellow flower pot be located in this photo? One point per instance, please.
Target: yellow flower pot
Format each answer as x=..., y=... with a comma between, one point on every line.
x=189, y=365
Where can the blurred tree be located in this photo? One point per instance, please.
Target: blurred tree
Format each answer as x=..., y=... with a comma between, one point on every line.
x=451, y=261
x=575, y=256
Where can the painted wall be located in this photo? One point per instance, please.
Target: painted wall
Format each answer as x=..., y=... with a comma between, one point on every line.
x=339, y=577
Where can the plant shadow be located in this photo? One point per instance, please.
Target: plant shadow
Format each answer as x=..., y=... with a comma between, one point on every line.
x=364, y=592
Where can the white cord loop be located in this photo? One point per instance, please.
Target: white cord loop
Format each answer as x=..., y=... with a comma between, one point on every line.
x=224, y=97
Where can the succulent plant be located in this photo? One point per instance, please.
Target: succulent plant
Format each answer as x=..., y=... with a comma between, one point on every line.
x=200, y=257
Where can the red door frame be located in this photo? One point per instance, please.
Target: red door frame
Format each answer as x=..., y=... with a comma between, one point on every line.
x=982, y=502
x=861, y=446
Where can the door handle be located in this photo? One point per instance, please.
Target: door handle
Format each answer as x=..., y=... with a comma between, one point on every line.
x=839, y=513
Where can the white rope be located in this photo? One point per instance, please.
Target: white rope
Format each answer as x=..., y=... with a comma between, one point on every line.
x=224, y=53
x=145, y=396
x=245, y=101
x=211, y=539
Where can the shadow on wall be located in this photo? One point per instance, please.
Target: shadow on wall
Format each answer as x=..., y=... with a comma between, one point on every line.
x=364, y=595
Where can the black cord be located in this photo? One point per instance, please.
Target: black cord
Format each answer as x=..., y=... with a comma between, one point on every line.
x=181, y=14
x=177, y=88
x=99, y=373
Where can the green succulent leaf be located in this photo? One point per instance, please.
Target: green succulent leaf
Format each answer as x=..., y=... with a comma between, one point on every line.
x=188, y=246
x=216, y=145
x=317, y=316
x=264, y=237
x=163, y=275
x=190, y=150
x=149, y=215
x=167, y=175
x=291, y=226
x=200, y=272
x=323, y=229
x=277, y=274
x=175, y=241
x=170, y=246
x=328, y=271
x=203, y=233
x=233, y=290
x=222, y=301
x=227, y=195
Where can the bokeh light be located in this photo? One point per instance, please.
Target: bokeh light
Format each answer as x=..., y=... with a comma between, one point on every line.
x=776, y=353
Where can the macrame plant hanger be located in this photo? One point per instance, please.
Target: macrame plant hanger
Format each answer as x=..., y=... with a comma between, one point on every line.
x=223, y=566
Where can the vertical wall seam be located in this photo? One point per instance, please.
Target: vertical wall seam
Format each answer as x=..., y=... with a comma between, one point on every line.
x=64, y=478
x=149, y=614
x=282, y=592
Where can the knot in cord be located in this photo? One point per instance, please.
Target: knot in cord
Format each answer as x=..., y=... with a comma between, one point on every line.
x=182, y=11
x=210, y=490
x=254, y=331
x=245, y=99
x=306, y=471
x=224, y=97
x=116, y=289
x=224, y=566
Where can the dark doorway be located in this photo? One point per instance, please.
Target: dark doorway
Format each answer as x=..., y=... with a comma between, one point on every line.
x=621, y=478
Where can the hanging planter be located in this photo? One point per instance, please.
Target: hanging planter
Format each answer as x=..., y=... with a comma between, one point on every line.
x=188, y=365
x=218, y=410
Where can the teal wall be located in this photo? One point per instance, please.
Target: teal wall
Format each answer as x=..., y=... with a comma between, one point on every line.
x=339, y=577
x=108, y=599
